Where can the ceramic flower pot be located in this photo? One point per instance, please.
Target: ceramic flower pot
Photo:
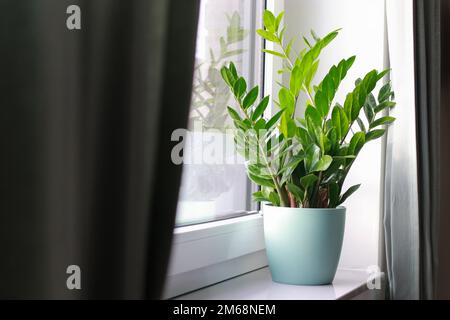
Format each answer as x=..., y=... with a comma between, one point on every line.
x=303, y=245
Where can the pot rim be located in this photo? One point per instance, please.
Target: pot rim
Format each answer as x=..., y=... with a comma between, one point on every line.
x=339, y=209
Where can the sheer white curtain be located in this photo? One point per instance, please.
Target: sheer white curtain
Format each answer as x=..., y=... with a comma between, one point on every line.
x=401, y=221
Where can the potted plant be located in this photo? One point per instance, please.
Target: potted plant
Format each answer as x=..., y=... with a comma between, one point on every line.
x=301, y=162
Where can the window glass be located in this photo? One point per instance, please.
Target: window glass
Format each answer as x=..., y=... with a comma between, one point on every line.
x=214, y=183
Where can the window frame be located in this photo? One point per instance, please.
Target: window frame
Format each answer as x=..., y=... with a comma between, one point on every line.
x=201, y=253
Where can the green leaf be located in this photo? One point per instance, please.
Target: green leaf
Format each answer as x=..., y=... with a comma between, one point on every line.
x=303, y=136
x=267, y=35
x=385, y=92
x=357, y=99
x=333, y=194
x=269, y=21
x=274, y=198
x=226, y=76
x=307, y=42
x=348, y=105
x=313, y=154
x=259, y=170
x=369, y=108
x=250, y=98
x=287, y=101
x=274, y=119
x=385, y=105
x=340, y=122
x=260, y=108
x=239, y=87
x=348, y=193
x=374, y=134
x=356, y=143
x=296, y=191
x=361, y=125
x=233, y=114
x=259, y=125
x=296, y=80
x=330, y=84
x=293, y=163
x=233, y=71
x=259, y=197
x=321, y=102
x=313, y=114
x=308, y=181
x=323, y=163
x=305, y=62
x=275, y=53
x=383, y=73
x=311, y=73
x=261, y=181
x=382, y=121
x=289, y=47
x=288, y=127
x=278, y=20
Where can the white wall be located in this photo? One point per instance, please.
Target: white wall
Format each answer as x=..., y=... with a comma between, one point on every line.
x=362, y=23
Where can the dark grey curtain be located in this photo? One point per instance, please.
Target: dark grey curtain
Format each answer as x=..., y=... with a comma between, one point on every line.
x=413, y=190
x=86, y=117
x=443, y=281
x=427, y=36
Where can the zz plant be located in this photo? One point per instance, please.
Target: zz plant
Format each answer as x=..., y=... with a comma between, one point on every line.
x=303, y=161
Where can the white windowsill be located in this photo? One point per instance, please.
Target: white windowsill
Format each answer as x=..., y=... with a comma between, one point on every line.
x=208, y=253
x=258, y=285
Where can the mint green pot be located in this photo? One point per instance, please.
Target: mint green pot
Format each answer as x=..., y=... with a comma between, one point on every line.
x=303, y=245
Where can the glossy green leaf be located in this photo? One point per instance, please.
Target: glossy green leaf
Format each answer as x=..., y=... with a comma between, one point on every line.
x=312, y=156
x=267, y=35
x=287, y=100
x=259, y=197
x=296, y=191
x=296, y=80
x=274, y=198
x=323, y=163
x=308, y=181
x=233, y=71
x=226, y=76
x=269, y=21
x=260, y=108
x=275, y=53
x=385, y=105
x=330, y=85
x=261, y=181
x=333, y=194
x=233, y=114
x=274, y=120
x=278, y=20
x=348, y=193
x=356, y=143
x=340, y=122
x=382, y=121
x=374, y=134
x=361, y=125
x=239, y=88
x=385, y=92
x=250, y=98
x=313, y=114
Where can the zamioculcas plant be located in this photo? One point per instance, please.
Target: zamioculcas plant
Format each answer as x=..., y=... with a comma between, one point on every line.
x=303, y=161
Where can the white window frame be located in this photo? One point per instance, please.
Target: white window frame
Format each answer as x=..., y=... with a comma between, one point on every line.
x=207, y=253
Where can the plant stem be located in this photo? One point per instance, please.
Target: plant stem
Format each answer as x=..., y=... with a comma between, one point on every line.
x=283, y=196
x=292, y=66
x=316, y=190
